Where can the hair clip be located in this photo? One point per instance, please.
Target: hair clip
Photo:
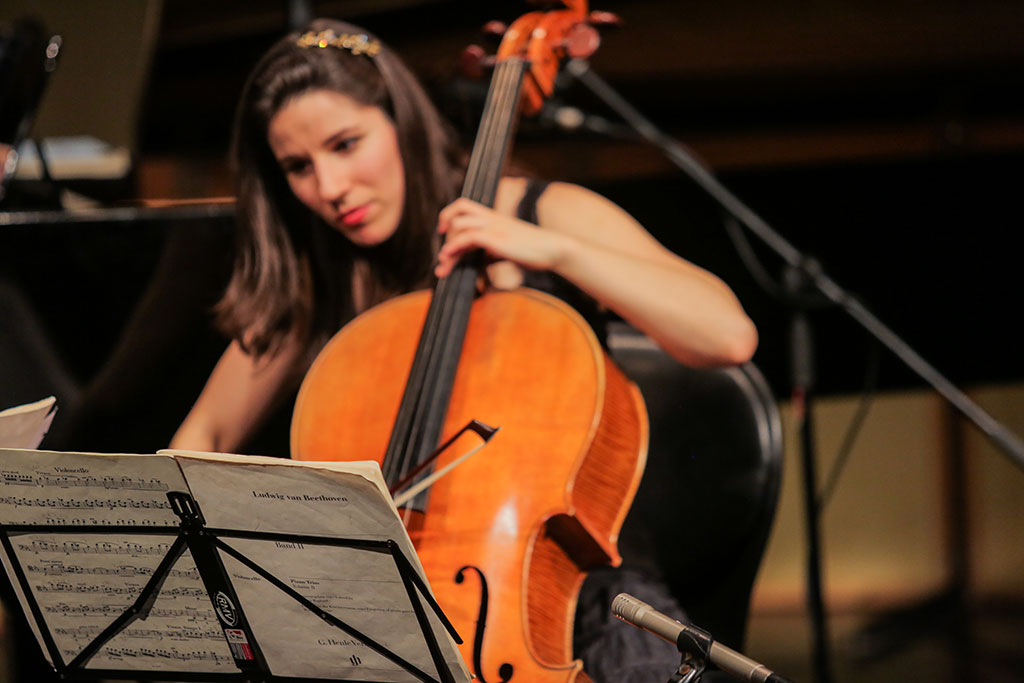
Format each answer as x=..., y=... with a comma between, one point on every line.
x=356, y=43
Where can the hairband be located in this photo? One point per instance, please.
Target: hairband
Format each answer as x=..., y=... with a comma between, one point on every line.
x=356, y=43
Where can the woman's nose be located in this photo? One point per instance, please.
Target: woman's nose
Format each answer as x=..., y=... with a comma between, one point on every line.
x=333, y=180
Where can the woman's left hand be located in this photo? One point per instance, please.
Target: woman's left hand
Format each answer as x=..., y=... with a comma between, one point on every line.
x=469, y=225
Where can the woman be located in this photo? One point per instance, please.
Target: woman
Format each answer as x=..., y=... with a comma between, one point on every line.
x=346, y=181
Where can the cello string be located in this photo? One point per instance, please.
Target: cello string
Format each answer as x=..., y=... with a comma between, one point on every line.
x=442, y=350
x=502, y=136
x=458, y=303
x=400, y=456
x=485, y=135
x=455, y=289
x=473, y=168
x=482, y=184
x=505, y=127
x=446, y=320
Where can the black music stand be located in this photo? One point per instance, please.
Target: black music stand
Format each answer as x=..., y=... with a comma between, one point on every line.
x=207, y=546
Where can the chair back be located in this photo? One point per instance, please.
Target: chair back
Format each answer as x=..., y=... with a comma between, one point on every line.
x=705, y=507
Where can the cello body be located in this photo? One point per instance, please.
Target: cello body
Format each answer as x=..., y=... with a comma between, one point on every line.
x=506, y=536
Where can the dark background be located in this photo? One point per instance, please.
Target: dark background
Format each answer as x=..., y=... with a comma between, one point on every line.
x=883, y=138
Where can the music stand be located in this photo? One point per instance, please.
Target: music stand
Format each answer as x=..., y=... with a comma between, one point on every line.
x=205, y=544
x=223, y=570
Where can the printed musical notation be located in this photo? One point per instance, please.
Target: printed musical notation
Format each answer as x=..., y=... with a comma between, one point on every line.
x=170, y=658
x=72, y=489
x=82, y=596
x=123, y=589
x=64, y=481
x=60, y=503
x=180, y=633
x=58, y=568
x=171, y=655
x=77, y=547
x=190, y=614
x=82, y=582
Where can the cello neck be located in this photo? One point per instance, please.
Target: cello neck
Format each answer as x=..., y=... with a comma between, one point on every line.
x=495, y=133
x=424, y=403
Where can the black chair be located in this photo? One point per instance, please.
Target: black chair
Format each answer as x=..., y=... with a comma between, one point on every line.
x=705, y=507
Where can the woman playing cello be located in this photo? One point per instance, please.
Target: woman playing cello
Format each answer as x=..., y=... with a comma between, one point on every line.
x=346, y=182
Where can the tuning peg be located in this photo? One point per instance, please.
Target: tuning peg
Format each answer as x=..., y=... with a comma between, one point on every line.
x=601, y=18
x=581, y=41
x=474, y=61
x=494, y=29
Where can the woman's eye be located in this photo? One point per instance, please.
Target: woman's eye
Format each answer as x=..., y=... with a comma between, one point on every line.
x=294, y=167
x=346, y=144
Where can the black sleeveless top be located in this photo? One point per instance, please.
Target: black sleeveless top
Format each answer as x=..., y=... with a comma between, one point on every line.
x=556, y=285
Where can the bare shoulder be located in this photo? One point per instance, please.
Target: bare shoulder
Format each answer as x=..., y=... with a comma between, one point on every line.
x=558, y=201
x=587, y=215
x=567, y=203
x=581, y=213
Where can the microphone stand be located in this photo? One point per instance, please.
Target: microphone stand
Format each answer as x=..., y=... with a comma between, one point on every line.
x=804, y=274
x=802, y=379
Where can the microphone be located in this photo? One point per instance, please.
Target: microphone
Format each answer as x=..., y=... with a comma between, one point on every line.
x=554, y=114
x=691, y=640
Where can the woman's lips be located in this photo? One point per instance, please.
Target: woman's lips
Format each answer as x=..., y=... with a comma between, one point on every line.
x=355, y=216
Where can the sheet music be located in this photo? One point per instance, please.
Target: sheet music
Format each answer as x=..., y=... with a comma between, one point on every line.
x=83, y=582
x=83, y=586
x=360, y=588
x=25, y=426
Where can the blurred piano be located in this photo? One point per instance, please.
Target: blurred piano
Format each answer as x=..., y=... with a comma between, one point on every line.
x=109, y=310
x=104, y=302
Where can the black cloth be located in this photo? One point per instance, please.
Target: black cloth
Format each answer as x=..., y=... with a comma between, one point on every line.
x=613, y=651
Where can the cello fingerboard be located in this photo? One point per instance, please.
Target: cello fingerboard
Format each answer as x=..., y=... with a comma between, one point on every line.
x=425, y=399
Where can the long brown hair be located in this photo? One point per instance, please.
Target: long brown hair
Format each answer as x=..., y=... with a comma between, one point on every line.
x=293, y=273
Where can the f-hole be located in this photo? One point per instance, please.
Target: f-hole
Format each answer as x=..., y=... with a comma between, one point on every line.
x=505, y=670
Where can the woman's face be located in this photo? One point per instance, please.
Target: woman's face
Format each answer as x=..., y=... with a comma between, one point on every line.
x=341, y=159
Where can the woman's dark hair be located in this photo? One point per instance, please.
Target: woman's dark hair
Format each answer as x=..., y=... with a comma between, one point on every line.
x=293, y=273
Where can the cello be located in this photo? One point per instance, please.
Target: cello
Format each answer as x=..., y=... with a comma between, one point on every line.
x=506, y=538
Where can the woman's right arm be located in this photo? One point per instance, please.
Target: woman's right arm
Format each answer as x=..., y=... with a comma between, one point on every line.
x=239, y=394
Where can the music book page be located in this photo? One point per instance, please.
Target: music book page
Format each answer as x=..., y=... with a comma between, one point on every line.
x=82, y=582
x=25, y=426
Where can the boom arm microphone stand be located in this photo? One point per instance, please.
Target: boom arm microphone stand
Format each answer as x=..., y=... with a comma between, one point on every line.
x=803, y=275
